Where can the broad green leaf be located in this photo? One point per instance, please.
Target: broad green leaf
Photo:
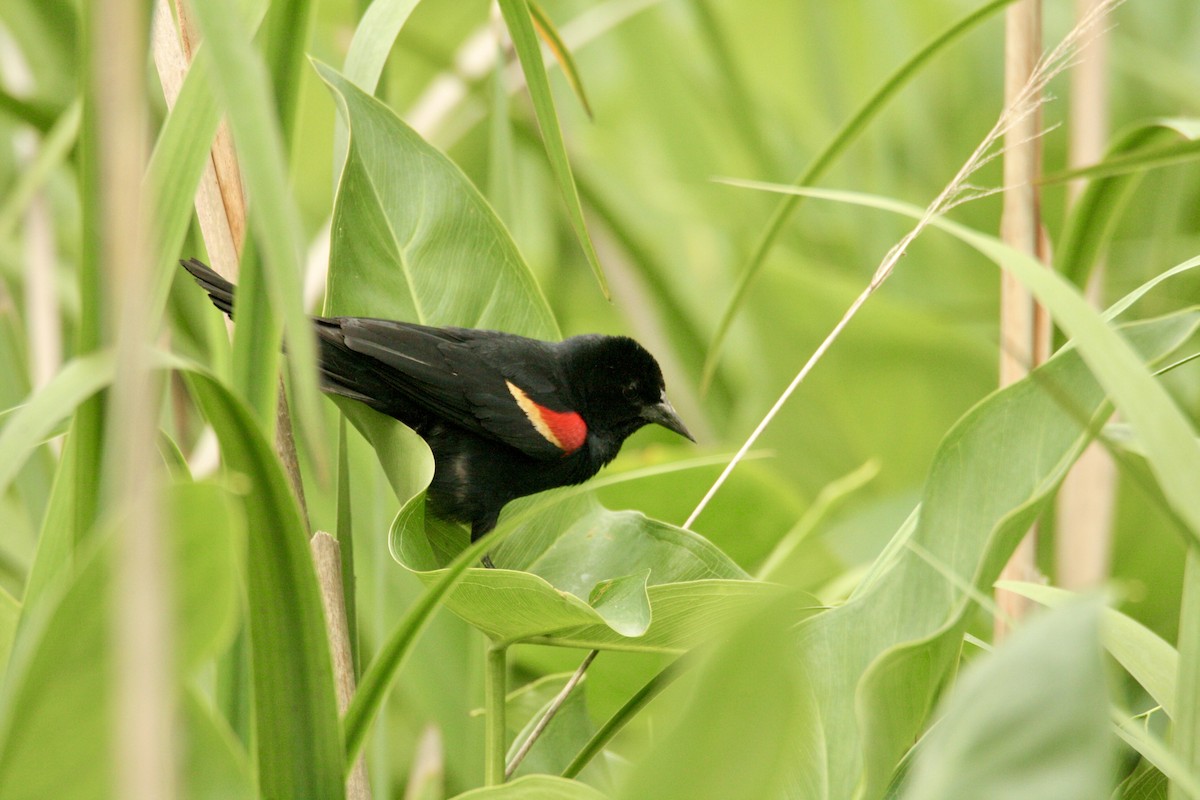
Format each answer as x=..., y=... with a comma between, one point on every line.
x=412, y=237
x=521, y=29
x=55, y=709
x=297, y=734
x=1029, y=720
x=560, y=561
x=55, y=714
x=1152, y=662
x=373, y=40
x=820, y=164
x=535, y=787
x=875, y=664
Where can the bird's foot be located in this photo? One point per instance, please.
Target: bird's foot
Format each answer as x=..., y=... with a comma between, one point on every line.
x=487, y=561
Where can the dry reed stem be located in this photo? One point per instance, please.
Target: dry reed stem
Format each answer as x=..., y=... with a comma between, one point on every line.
x=327, y=558
x=428, y=769
x=1020, y=228
x=1084, y=513
x=144, y=702
x=1022, y=105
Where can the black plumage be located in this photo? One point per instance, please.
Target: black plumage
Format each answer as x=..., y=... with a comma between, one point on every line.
x=505, y=416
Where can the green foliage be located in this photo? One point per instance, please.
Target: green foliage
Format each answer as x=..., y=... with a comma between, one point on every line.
x=880, y=504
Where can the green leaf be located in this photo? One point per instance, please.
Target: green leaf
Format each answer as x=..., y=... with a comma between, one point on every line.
x=1151, y=661
x=297, y=734
x=373, y=40
x=52, y=153
x=574, y=573
x=520, y=28
x=412, y=237
x=1030, y=720
x=1093, y=217
x=179, y=158
x=55, y=713
x=535, y=787
x=1171, y=445
x=1143, y=159
x=30, y=424
x=876, y=664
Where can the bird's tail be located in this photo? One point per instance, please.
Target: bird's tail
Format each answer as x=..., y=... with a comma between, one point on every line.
x=219, y=289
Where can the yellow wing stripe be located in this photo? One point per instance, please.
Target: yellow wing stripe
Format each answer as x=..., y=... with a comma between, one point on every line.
x=534, y=413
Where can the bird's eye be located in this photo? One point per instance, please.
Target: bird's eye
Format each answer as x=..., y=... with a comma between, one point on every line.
x=630, y=391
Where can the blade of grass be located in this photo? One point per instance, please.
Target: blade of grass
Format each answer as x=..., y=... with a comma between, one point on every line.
x=562, y=54
x=837, y=144
x=626, y=713
x=242, y=84
x=1093, y=218
x=1140, y=161
x=296, y=724
x=520, y=28
x=59, y=141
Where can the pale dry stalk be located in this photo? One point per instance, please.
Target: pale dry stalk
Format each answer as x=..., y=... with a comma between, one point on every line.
x=1084, y=514
x=144, y=692
x=1023, y=326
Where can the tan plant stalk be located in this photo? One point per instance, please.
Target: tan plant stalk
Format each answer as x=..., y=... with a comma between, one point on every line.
x=1020, y=106
x=1024, y=328
x=327, y=557
x=1083, y=529
x=144, y=699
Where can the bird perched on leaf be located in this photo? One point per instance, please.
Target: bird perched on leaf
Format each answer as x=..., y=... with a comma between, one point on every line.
x=505, y=416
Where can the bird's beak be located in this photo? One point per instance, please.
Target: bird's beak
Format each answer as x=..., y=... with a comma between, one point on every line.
x=661, y=413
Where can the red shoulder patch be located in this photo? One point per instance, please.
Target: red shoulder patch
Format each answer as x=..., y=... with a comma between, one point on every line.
x=566, y=430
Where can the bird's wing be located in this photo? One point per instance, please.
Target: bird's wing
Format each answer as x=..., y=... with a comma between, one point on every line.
x=497, y=385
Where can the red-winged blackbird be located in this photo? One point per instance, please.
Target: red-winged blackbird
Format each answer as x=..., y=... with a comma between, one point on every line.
x=505, y=416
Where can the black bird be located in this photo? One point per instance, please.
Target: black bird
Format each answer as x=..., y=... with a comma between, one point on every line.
x=505, y=416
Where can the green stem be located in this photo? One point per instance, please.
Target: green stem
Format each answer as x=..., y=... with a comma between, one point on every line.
x=1185, y=733
x=494, y=697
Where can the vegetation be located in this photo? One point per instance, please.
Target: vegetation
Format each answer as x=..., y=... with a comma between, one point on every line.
x=720, y=181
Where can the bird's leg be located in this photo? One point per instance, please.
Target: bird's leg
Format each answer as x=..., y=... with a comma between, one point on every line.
x=478, y=530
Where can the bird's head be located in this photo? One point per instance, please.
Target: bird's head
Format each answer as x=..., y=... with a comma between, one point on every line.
x=619, y=385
